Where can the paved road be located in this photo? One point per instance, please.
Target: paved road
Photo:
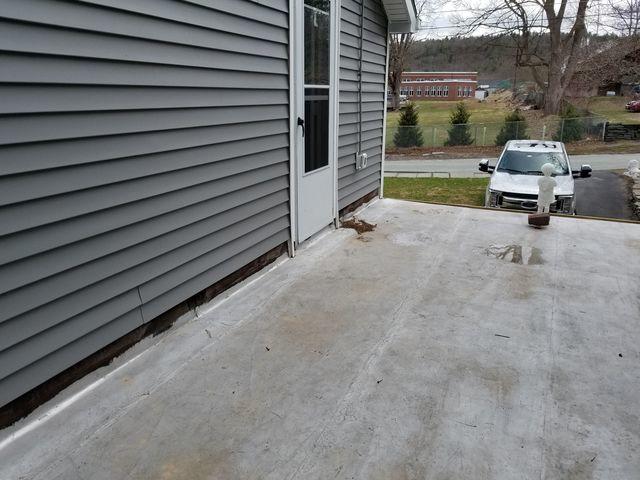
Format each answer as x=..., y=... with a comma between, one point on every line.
x=468, y=167
x=605, y=194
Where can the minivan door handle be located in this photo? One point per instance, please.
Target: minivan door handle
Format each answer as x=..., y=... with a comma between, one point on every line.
x=301, y=124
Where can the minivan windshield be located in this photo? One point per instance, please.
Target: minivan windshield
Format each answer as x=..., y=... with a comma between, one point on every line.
x=530, y=163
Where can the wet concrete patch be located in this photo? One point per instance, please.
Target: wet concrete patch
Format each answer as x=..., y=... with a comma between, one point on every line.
x=516, y=254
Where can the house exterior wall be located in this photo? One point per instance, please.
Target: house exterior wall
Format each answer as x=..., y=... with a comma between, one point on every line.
x=144, y=155
x=439, y=85
x=354, y=184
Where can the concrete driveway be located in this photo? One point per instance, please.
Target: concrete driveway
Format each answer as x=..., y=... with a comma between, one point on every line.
x=450, y=343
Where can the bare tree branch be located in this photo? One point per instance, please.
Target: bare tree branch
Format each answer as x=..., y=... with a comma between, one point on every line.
x=524, y=22
x=399, y=46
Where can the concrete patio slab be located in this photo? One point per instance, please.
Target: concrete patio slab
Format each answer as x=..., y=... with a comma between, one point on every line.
x=449, y=343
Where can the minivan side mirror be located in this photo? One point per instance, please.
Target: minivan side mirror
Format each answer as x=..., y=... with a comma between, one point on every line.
x=484, y=166
x=584, y=172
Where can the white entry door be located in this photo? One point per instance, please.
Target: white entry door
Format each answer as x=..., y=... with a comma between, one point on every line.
x=315, y=102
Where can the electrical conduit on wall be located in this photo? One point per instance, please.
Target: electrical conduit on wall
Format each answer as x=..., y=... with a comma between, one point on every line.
x=361, y=159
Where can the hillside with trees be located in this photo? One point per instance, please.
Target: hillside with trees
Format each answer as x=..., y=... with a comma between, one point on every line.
x=493, y=58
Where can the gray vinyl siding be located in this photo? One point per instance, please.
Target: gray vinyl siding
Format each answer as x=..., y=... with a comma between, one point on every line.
x=354, y=184
x=144, y=155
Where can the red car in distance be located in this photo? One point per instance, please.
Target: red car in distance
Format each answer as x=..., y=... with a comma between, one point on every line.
x=633, y=106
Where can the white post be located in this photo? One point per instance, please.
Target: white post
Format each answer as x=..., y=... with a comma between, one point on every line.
x=484, y=135
x=544, y=131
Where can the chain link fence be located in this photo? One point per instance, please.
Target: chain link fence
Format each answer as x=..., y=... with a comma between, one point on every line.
x=481, y=134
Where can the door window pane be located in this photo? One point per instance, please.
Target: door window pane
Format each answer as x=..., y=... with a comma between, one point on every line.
x=316, y=114
x=316, y=42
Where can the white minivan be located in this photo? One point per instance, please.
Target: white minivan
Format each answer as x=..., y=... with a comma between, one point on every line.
x=514, y=179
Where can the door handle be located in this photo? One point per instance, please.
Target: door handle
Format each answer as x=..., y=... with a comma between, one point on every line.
x=301, y=124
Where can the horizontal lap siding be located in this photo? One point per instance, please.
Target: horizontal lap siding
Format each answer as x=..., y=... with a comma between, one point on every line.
x=143, y=157
x=354, y=184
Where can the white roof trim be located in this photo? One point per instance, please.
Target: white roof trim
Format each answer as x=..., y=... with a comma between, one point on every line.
x=402, y=16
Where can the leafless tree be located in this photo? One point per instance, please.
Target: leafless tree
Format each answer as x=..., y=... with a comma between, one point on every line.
x=616, y=62
x=525, y=22
x=623, y=16
x=399, y=46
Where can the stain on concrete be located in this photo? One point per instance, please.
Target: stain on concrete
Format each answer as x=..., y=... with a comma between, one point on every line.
x=633, y=243
x=358, y=225
x=516, y=254
x=201, y=464
x=536, y=257
x=410, y=239
x=440, y=212
x=568, y=464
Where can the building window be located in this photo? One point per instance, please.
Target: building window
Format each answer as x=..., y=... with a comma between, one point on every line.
x=433, y=91
x=446, y=90
x=403, y=91
x=459, y=91
x=439, y=90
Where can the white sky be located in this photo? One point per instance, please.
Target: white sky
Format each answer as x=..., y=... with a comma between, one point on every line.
x=440, y=18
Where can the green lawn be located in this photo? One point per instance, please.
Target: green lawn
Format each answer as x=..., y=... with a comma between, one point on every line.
x=456, y=191
x=486, y=119
x=435, y=112
x=612, y=108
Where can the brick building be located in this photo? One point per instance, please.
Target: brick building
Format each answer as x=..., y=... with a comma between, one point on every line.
x=439, y=85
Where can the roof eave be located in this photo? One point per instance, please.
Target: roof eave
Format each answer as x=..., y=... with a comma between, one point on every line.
x=402, y=16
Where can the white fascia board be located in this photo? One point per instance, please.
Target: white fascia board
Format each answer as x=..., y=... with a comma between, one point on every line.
x=404, y=18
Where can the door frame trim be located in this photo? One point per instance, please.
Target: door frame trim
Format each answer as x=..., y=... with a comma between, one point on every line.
x=292, y=132
x=296, y=37
x=335, y=50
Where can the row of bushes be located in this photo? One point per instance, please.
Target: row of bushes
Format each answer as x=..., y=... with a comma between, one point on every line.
x=570, y=129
